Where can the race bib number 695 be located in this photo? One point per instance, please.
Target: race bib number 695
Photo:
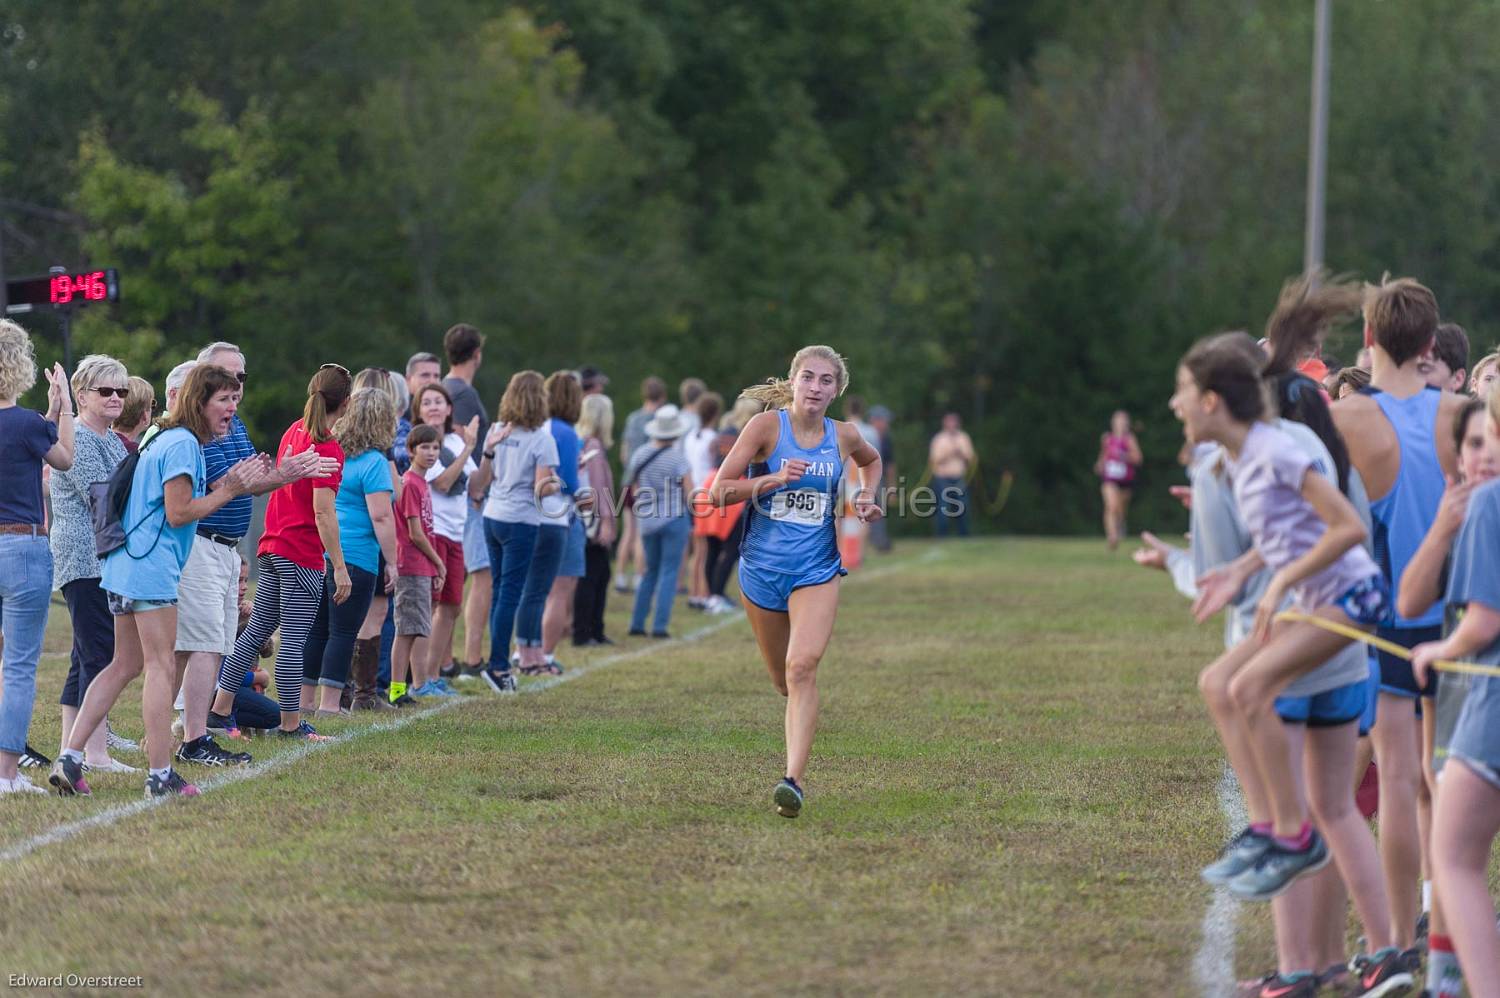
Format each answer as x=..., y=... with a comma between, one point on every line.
x=799, y=506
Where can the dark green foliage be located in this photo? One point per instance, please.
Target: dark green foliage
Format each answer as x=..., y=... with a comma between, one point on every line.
x=1023, y=211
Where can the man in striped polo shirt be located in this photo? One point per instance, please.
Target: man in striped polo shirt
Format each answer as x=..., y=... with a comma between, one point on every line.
x=208, y=595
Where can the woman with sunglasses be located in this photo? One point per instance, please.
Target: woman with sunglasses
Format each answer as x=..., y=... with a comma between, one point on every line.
x=100, y=385
x=301, y=530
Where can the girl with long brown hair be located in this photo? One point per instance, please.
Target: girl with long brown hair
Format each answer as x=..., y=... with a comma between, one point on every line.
x=301, y=530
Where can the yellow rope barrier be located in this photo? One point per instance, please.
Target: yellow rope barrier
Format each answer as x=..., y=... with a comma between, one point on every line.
x=1355, y=634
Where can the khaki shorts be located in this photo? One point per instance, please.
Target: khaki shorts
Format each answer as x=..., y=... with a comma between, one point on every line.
x=208, y=598
x=414, y=605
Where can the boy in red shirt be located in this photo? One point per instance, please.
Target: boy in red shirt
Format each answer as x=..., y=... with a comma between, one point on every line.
x=419, y=569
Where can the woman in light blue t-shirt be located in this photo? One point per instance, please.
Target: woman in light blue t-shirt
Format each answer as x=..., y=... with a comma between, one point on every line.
x=367, y=529
x=140, y=577
x=518, y=471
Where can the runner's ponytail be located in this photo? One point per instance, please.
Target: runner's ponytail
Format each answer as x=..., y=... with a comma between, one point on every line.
x=776, y=393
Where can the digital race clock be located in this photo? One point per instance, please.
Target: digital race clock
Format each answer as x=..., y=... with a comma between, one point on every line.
x=64, y=289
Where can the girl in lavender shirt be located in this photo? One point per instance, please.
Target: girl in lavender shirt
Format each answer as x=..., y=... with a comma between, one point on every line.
x=1309, y=536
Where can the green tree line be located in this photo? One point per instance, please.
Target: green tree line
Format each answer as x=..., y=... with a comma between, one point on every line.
x=1019, y=210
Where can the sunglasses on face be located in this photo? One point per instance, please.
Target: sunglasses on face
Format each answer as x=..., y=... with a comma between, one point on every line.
x=107, y=392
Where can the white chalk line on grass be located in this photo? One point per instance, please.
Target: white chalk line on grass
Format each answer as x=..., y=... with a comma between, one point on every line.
x=119, y=812
x=1213, y=965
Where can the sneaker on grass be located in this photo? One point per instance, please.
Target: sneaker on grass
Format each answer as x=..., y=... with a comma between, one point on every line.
x=304, y=732
x=1277, y=867
x=170, y=785
x=788, y=798
x=67, y=777
x=1385, y=972
x=500, y=680
x=219, y=724
x=112, y=766
x=1237, y=856
x=21, y=784
x=206, y=752
x=116, y=742
x=32, y=759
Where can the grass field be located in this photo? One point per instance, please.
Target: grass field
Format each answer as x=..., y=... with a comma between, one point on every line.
x=1012, y=790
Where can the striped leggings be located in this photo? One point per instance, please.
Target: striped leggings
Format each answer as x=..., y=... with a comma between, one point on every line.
x=286, y=596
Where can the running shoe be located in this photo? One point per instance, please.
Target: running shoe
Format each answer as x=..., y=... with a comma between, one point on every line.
x=303, y=733
x=1388, y=972
x=406, y=700
x=475, y=671
x=118, y=743
x=500, y=680
x=20, y=784
x=169, y=786
x=450, y=671
x=435, y=688
x=206, y=752
x=227, y=727
x=447, y=690
x=1335, y=978
x=1237, y=856
x=1277, y=868
x=1251, y=988
x=67, y=777
x=1303, y=984
x=113, y=766
x=32, y=759
x=788, y=798
x=636, y=632
x=661, y=635
x=552, y=666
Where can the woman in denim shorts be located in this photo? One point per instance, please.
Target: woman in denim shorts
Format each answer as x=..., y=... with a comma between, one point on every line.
x=27, y=441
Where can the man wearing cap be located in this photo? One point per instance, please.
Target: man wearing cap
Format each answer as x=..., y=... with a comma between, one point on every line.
x=208, y=606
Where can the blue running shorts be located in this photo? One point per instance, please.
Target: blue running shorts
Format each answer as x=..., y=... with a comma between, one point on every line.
x=770, y=590
x=1328, y=709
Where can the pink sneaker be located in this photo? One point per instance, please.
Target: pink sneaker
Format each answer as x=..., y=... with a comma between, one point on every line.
x=170, y=785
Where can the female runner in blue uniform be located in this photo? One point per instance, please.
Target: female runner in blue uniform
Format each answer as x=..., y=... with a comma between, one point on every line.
x=789, y=560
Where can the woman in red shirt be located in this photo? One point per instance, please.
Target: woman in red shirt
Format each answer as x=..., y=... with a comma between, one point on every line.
x=301, y=529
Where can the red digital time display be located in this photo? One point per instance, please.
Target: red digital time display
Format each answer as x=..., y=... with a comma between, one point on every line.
x=90, y=286
x=67, y=290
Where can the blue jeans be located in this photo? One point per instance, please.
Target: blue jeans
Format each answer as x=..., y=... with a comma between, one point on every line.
x=953, y=506
x=25, y=595
x=510, y=546
x=664, y=550
x=330, y=643
x=546, y=558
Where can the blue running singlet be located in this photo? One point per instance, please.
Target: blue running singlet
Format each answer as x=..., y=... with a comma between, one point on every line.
x=791, y=529
x=1403, y=514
